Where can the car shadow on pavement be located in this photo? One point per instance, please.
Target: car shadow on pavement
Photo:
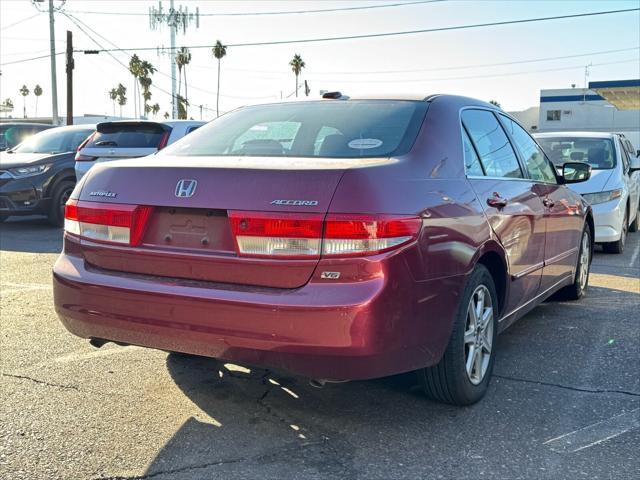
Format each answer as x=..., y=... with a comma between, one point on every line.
x=257, y=416
x=256, y=420
x=30, y=234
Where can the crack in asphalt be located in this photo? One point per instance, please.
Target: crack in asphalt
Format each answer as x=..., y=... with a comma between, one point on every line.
x=41, y=382
x=567, y=387
x=189, y=468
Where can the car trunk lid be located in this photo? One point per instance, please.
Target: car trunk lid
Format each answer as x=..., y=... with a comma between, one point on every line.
x=189, y=233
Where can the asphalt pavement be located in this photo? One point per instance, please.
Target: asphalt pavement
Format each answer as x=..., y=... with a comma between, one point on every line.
x=564, y=402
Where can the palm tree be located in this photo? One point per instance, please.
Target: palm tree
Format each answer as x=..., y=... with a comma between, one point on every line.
x=37, y=91
x=121, y=91
x=155, y=108
x=219, y=51
x=134, y=69
x=495, y=102
x=183, y=57
x=182, y=107
x=113, y=95
x=297, y=64
x=24, y=91
x=7, y=106
x=146, y=70
x=166, y=115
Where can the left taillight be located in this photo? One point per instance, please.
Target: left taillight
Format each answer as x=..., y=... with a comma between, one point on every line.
x=107, y=222
x=84, y=158
x=163, y=140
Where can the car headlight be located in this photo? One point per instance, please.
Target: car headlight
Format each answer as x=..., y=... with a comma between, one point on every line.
x=21, y=172
x=602, y=197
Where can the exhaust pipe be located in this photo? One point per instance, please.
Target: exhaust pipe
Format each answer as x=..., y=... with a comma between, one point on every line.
x=321, y=382
x=97, y=342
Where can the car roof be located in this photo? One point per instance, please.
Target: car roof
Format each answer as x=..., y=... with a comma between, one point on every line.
x=456, y=100
x=575, y=134
x=182, y=122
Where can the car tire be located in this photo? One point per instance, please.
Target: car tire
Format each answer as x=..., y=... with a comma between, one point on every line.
x=461, y=378
x=577, y=289
x=60, y=196
x=618, y=247
x=634, y=226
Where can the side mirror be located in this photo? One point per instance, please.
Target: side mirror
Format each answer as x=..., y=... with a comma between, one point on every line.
x=634, y=165
x=576, y=172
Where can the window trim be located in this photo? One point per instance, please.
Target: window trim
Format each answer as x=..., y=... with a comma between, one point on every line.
x=493, y=112
x=523, y=162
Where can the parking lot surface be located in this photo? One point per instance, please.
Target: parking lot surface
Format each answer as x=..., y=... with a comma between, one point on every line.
x=564, y=401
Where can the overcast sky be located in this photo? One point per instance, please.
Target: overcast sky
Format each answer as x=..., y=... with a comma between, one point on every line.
x=426, y=62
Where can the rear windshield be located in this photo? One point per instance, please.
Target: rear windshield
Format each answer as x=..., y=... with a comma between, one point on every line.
x=329, y=128
x=127, y=136
x=54, y=141
x=597, y=152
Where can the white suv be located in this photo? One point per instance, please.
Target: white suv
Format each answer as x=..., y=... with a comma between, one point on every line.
x=613, y=189
x=129, y=139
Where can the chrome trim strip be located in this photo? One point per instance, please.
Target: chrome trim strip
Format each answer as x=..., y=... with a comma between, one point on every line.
x=561, y=256
x=528, y=270
x=504, y=317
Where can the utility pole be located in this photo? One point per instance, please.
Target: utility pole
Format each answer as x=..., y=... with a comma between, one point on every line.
x=172, y=56
x=70, y=67
x=54, y=79
x=174, y=19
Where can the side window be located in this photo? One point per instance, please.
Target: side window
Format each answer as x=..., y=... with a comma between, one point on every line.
x=191, y=129
x=538, y=166
x=624, y=157
x=554, y=115
x=493, y=146
x=268, y=138
x=322, y=135
x=471, y=161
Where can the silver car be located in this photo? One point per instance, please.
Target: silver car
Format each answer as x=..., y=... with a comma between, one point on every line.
x=613, y=189
x=129, y=139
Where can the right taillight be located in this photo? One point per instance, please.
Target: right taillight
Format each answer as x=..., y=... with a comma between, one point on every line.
x=348, y=235
x=292, y=235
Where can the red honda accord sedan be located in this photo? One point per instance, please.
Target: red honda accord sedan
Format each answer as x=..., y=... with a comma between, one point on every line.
x=341, y=238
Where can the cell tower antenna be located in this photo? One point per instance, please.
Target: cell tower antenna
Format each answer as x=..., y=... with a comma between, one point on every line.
x=176, y=19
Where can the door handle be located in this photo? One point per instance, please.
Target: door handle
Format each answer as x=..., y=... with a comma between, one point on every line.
x=497, y=201
x=547, y=202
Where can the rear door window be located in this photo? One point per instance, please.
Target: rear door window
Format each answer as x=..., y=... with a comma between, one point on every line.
x=127, y=136
x=471, y=161
x=534, y=158
x=492, y=144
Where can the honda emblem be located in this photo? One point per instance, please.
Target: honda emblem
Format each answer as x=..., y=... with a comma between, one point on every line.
x=186, y=188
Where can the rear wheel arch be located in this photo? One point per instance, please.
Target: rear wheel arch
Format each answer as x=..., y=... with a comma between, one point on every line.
x=496, y=264
x=589, y=220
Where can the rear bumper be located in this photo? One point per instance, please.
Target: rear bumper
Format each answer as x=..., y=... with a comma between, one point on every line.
x=339, y=331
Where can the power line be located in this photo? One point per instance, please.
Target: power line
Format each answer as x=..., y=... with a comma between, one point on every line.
x=19, y=21
x=72, y=18
x=407, y=32
x=461, y=67
x=470, y=77
x=285, y=12
x=30, y=59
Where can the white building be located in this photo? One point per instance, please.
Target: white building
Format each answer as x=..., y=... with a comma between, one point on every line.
x=611, y=106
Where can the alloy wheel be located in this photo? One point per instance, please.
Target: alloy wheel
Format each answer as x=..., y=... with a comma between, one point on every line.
x=66, y=194
x=478, y=334
x=585, y=256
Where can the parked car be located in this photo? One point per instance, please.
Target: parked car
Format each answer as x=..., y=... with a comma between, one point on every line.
x=614, y=188
x=340, y=239
x=37, y=177
x=11, y=134
x=129, y=139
